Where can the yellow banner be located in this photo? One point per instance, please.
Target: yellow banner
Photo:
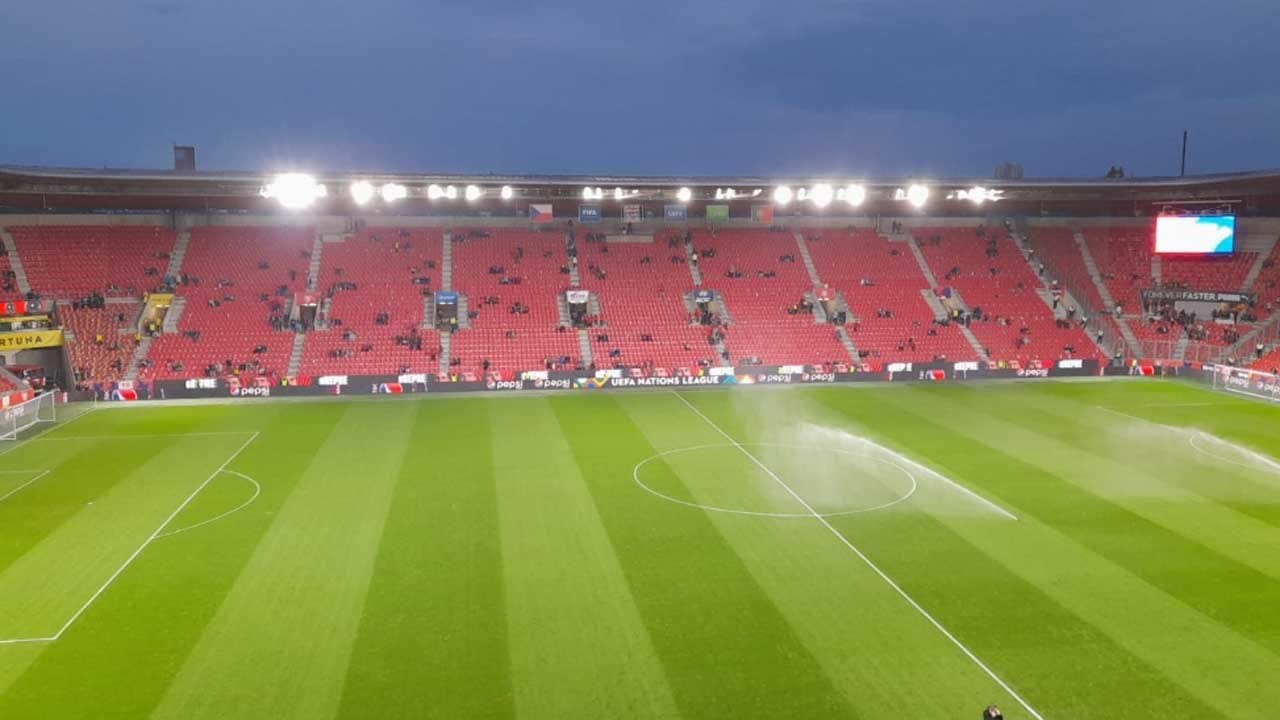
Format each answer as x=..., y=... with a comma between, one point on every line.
x=30, y=339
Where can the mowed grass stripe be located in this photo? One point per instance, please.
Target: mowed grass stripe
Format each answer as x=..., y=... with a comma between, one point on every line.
x=578, y=646
x=1202, y=491
x=881, y=649
x=726, y=649
x=1201, y=656
x=43, y=588
x=1166, y=439
x=78, y=473
x=433, y=639
x=120, y=657
x=279, y=645
x=1162, y=543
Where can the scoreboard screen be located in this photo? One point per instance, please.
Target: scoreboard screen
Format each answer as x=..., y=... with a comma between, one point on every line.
x=1196, y=234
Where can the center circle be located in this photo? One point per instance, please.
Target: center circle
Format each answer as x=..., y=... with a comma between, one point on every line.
x=723, y=478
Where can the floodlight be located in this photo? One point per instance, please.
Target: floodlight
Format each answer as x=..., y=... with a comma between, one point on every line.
x=472, y=193
x=782, y=194
x=917, y=195
x=434, y=192
x=756, y=192
x=294, y=190
x=392, y=192
x=730, y=194
x=451, y=192
x=507, y=192
x=821, y=195
x=684, y=194
x=618, y=194
x=362, y=192
x=855, y=195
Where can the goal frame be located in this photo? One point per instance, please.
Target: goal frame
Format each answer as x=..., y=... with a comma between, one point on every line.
x=1243, y=381
x=26, y=415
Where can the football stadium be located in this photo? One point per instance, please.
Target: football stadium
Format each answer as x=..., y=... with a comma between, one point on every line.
x=406, y=445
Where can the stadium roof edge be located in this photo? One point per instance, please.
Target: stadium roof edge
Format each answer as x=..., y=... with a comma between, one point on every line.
x=163, y=176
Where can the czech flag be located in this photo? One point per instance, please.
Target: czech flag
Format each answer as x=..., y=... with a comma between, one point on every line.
x=540, y=213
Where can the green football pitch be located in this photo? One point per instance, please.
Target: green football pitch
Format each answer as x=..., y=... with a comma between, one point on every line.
x=1062, y=549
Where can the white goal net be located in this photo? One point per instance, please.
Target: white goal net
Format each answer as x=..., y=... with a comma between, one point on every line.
x=16, y=418
x=1243, y=381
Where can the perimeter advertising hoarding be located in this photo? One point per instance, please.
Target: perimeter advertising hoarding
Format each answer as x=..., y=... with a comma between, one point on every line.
x=603, y=380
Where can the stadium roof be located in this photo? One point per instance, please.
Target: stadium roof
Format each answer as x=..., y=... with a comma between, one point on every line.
x=24, y=188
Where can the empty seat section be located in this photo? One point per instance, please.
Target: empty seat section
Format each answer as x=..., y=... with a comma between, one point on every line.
x=1057, y=247
x=101, y=341
x=991, y=274
x=530, y=262
x=876, y=275
x=72, y=262
x=1215, y=274
x=757, y=305
x=1123, y=257
x=236, y=275
x=377, y=270
x=641, y=291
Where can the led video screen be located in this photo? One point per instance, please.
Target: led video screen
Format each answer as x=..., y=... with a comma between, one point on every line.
x=1196, y=235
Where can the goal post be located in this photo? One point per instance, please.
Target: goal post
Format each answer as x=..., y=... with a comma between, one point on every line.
x=1243, y=381
x=25, y=415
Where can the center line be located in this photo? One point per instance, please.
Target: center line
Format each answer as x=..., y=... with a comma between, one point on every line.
x=897, y=588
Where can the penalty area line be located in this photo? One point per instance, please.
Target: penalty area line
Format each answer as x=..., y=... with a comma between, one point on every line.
x=28, y=483
x=866, y=560
x=134, y=556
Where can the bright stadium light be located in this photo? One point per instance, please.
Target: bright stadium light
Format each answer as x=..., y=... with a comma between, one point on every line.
x=917, y=195
x=821, y=195
x=362, y=192
x=507, y=193
x=472, y=193
x=756, y=192
x=294, y=190
x=451, y=192
x=586, y=193
x=782, y=195
x=855, y=195
x=619, y=193
x=684, y=194
x=392, y=192
x=434, y=192
x=730, y=194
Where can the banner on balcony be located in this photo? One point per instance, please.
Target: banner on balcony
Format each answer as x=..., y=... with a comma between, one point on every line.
x=540, y=213
x=675, y=212
x=717, y=213
x=762, y=214
x=703, y=296
x=589, y=213
x=30, y=340
x=577, y=297
x=446, y=297
x=631, y=213
x=22, y=307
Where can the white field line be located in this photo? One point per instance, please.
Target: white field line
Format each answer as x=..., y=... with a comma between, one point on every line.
x=875, y=568
x=136, y=553
x=14, y=491
x=127, y=436
x=257, y=490
x=941, y=477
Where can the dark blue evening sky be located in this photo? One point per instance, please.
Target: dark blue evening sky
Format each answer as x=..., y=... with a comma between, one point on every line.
x=874, y=87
